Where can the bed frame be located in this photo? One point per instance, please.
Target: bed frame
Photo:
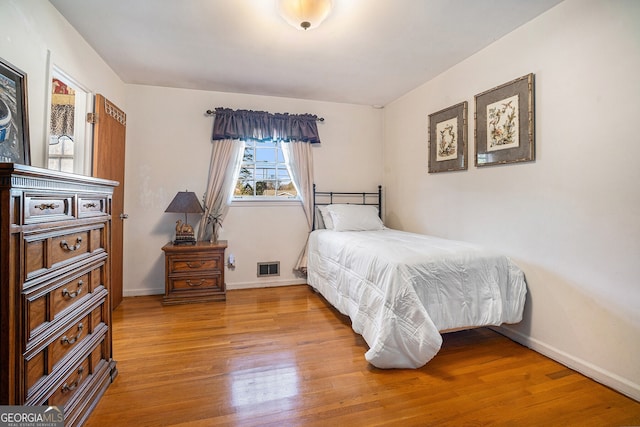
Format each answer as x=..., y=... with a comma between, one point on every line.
x=324, y=198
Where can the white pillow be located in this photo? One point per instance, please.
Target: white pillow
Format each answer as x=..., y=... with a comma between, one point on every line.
x=355, y=217
x=326, y=217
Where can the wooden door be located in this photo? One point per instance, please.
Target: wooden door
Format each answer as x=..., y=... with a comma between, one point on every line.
x=108, y=162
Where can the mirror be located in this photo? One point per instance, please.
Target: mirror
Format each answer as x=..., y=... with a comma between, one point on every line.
x=69, y=140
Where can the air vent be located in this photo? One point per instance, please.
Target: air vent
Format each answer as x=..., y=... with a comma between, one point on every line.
x=269, y=268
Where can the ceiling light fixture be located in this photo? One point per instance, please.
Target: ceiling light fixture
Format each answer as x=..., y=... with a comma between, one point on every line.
x=304, y=14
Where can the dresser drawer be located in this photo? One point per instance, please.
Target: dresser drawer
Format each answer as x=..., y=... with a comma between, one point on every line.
x=43, y=361
x=69, y=246
x=50, y=302
x=48, y=251
x=47, y=208
x=194, y=283
x=195, y=263
x=72, y=383
x=80, y=377
x=89, y=206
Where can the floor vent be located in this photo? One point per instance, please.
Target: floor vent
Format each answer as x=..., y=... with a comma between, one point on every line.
x=269, y=268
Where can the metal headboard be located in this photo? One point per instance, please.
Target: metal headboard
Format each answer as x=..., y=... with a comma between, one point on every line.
x=324, y=198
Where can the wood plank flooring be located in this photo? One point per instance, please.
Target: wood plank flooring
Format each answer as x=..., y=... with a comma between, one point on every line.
x=284, y=357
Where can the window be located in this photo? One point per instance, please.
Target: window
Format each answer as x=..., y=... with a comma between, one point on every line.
x=61, y=153
x=264, y=173
x=67, y=127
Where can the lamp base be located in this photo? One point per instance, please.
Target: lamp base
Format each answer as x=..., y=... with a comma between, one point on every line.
x=185, y=239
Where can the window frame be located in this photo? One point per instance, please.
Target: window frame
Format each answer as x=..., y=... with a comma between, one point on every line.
x=82, y=135
x=253, y=200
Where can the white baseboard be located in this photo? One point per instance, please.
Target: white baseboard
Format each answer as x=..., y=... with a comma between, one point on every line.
x=142, y=292
x=596, y=373
x=271, y=283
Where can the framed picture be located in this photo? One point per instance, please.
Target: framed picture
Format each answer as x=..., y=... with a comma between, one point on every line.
x=504, y=123
x=448, y=139
x=14, y=128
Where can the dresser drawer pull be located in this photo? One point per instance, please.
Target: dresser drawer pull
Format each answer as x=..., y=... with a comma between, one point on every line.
x=195, y=284
x=89, y=205
x=67, y=388
x=65, y=340
x=195, y=265
x=45, y=206
x=64, y=245
x=71, y=295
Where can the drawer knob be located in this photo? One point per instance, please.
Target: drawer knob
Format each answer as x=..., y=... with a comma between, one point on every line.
x=64, y=245
x=70, y=295
x=66, y=388
x=195, y=284
x=89, y=205
x=70, y=341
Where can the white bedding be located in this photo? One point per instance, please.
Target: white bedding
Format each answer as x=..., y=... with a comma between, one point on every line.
x=401, y=289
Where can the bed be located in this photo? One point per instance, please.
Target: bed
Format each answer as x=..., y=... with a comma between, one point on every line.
x=402, y=290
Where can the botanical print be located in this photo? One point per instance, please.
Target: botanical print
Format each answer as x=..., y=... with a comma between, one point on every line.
x=503, y=124
x=446, y=140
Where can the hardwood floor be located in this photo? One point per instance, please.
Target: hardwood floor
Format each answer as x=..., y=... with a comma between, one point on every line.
x=284, y=357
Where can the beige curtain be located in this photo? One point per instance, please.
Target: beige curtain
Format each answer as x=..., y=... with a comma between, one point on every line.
x=299, y=157
x=223, y=171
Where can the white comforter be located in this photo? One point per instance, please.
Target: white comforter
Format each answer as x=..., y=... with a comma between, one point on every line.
x=401, y=289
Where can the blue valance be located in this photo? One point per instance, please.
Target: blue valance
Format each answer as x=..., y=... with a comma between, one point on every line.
x=264, y=126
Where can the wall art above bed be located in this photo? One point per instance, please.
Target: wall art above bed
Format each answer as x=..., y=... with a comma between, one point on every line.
x=504, y=123
x=448, y=139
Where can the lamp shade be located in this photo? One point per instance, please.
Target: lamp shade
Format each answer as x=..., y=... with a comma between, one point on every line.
x=185, y=202
x=304, y=14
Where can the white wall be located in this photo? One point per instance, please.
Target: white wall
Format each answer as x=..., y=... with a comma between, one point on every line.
x=34, y=35
x=169, y=148
x=571, y=219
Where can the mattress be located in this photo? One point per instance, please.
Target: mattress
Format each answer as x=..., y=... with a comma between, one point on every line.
x=401, y=289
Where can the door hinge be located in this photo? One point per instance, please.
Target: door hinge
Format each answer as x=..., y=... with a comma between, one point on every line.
x=91, y=118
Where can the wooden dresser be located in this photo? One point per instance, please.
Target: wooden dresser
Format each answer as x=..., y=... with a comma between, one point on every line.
x=55, y=311
x=194, y=273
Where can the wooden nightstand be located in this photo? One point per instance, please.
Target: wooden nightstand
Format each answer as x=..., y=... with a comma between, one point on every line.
x=194, y=273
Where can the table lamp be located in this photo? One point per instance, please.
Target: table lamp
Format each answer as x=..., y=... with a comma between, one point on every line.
x=184, y=202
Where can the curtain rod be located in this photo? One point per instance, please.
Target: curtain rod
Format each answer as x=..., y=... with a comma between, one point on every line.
x=213, y=113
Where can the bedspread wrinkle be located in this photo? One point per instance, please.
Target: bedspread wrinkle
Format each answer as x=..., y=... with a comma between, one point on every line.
x=401, y=289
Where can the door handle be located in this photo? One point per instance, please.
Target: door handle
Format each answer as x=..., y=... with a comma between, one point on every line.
x=124, y=216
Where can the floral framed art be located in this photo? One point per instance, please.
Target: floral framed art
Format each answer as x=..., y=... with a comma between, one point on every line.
x=504, y=123
x=448, y=139
x=14, y=129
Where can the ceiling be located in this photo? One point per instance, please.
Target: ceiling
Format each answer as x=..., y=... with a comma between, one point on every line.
x=367, y=52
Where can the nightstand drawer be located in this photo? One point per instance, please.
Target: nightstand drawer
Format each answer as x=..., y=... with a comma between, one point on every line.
x=194, y=283
x=194, y=263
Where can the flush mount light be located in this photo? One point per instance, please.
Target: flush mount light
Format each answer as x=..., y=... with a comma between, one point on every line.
x=304, y=14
